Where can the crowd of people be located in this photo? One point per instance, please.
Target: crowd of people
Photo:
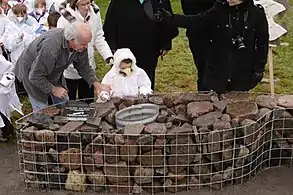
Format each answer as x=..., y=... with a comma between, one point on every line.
x=49, y=47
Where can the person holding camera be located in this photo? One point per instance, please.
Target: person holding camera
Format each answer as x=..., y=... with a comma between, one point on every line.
x=238, y=43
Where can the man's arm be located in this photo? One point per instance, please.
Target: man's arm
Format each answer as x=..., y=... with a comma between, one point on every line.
x=41, y=68
x=84, y=69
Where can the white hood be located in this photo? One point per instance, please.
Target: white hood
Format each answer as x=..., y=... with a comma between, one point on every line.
x=123, y=54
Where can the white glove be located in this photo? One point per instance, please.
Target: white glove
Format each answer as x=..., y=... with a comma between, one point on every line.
x=144, y=91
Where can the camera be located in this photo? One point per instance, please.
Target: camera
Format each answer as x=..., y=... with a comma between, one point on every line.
x=238, y=42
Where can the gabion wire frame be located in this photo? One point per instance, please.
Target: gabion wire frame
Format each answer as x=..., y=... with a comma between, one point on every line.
x=170, y=162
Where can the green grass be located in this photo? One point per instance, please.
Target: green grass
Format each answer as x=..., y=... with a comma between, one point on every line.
x=177, y=72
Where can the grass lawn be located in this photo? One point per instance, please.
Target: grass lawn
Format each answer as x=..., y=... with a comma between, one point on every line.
x=177, y=73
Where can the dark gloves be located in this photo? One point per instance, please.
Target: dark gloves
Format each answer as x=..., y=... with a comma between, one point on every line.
x=164, y=16
x=110, y=61
x=256, y=78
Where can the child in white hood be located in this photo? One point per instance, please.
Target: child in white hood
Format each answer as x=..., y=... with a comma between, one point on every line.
x=9, y=100
x=125, y=78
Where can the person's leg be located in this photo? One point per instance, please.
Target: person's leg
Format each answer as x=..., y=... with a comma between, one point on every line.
x=8, y=129
x=72, y=85
x=85, y=92
x=37, y=105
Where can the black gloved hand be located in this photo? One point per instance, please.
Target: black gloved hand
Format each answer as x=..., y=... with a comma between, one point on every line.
x=164, y=16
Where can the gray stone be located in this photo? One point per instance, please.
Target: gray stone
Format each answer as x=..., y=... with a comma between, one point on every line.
x=129, y=100
x=69, y=127
x=54, y=127
x=40, y=121
x=202, y=170
x=53, y=154
x=242, y=156
x=156, y=100
x=119, y=139
x=143, y=175
x=97, y=177
x=226, y=118
x=133, y=129
x=110, y=118
x=242, y=109
x=214, y=140
x=76, y=181
x=106, y=127
x=122, y=106
x=180, y=109
x=145, y=139
x=116, y=101
x=194, y=184
x=196, y=109
x=117, y=173
x=217, y=181
x=221, y=105
x=103, y=109
x=221, y=125
x=236, y=96
x=46, y=136
x=235, y=122
x=111, y=153
x=228, y=173
x=95, y=122
x=179, y=132
x=162, y=171
x=266, y=101
x=263, y=114
x=128, y=152
x=155, y=128
x=207, y=120
x=286, y=101
x=60, y=120
x=151, y=158
x=181, y=119
x=137, y=189
x=250, y=129
x=188, y=97
x=168, y=100
x=177, y=176
x=228, y=153
x=28, y=133
x=163, y=116
x=71, y=158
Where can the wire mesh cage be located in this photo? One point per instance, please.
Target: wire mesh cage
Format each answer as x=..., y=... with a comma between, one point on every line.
x=198, y=142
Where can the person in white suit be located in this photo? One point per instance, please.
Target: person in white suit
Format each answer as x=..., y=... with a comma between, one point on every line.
x=125, y=78
x=83, y=11
x=4, y=22
x=9, y=100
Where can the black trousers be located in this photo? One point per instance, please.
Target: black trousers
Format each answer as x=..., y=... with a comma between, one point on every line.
x=8, y=129
x=198, y=53
x=81, y=88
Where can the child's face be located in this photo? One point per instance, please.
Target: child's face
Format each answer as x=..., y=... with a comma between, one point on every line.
x=124, y=65
x=40, y=9
x=20, y=17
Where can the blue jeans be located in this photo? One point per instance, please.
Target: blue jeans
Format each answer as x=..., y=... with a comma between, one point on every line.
x=37, y=105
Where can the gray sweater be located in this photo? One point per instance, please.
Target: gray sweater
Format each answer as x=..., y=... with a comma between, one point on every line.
x=41, y=65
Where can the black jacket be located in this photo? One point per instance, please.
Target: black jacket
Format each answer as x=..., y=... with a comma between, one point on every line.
x=229, y=68
x=128, y=25
x=190, y=7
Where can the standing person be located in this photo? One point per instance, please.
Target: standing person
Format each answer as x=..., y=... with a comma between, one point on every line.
x=196, y=37
x=39, y=12
x=132, y=24
x=40, y=67
x=238, y=45
x=82, y=11
x=4, y=21
x=53, y=19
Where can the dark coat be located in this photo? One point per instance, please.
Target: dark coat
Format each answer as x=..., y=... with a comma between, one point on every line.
x=229, y=68
x=127, y=25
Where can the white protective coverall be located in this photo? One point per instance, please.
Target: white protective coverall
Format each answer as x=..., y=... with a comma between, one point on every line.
x=135, y=84
x=9, y=100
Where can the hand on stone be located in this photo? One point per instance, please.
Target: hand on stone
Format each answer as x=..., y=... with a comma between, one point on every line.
x=59, y=92
x=101, y=87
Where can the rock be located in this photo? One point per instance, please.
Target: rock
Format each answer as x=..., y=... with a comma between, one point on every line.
x=145, y=139
x=263, y=114
x=111, y=153
x=53, y=154
x=214, y=139
x=28, y=133
x=177, y=176
x=152, y=158
x=156, y=100
x=236, y=96
x=242, y=109
x=129, y=101
x=76, y=181
x=181, y=153
x=162, y=171
x=194, y=184
x=176, y=186
x=143, y=175
x=160, y=142
x=54, y=127
x=155, y=128
x=215, y=98
x=282, y=114
x=221, y=125
x=106, y=127
x=99, y=158
x=128, y=152
x=119, y=139
x=60, y=120
x=50, y=111
x=202, y=170
x=117, y=173
x=162, y=118
x=116, y=101
x=249, y=129
x=154, y=187
x=103, y=109
x=122, y=106
x=188, y=97
x=235, y=122
x=226, y=118
x=169, y=125
x=286, y=101
x=110, y=118
x=217, y=182
x=125, y=188
x=228, y=153
x=266, y=101
x=180, y=109
x=137, y=189
x=228, y=173
x=71, y=158
x=168, y=100
x=177, y=132
x=181, y=119
x=221, y=105
x=134, y=129
x=207, y=120
x=69, y=127
x=97, y=177
x=95, y=122
x=196, y=109
x=46, y=136
x=228, y=137
x=40, y=121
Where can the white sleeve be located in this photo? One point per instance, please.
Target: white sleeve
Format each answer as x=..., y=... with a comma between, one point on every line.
x=11, y=38
x=108, y=79
x=99, y=39
x=5, y=66
x=144, y=82
x=62, y=22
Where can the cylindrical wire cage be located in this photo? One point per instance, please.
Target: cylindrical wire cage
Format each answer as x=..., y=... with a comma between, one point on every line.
x=198, y=142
